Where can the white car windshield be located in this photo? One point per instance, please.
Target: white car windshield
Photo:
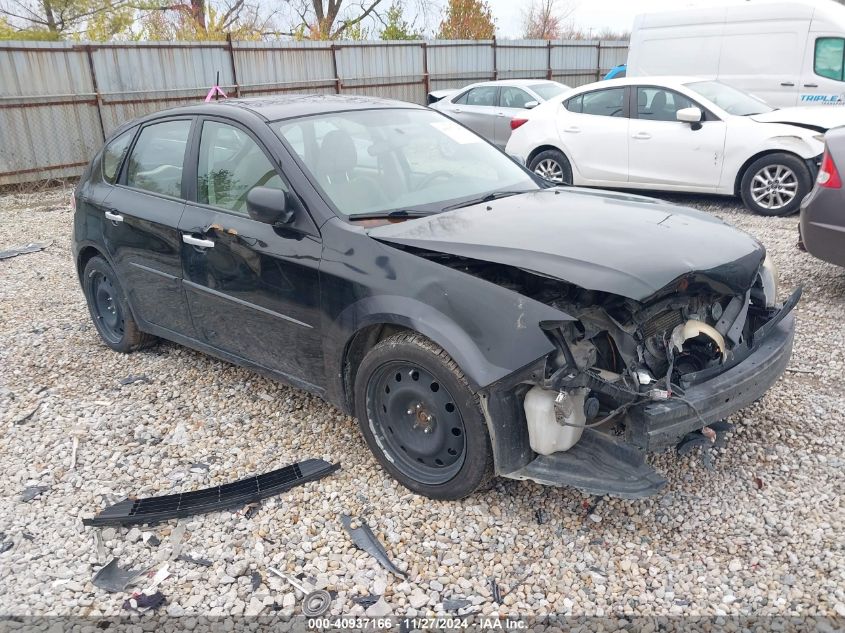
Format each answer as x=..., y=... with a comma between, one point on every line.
x=730, y=99
x=370, y=162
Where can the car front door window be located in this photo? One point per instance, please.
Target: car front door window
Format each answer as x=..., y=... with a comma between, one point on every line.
x=658, y=104
x=231, y=164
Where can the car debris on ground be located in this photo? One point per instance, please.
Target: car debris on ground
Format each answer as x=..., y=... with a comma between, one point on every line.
x=32, y=247
x=249, y=490
x=363, y=537
x=114, y=579
x=315, y=602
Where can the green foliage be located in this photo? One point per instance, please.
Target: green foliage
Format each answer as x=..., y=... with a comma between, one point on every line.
x=396, y=28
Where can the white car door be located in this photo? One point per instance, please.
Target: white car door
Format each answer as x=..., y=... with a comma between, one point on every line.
x=593, y=129
x=824, y=71
x=665, y=151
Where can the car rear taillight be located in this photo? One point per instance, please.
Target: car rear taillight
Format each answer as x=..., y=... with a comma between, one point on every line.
x=516, y=122
x=828, y=174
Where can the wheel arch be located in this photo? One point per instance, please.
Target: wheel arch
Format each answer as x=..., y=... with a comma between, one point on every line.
x=85, y=255
x=542, y=148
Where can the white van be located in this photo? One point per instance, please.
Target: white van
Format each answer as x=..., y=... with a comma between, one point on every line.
x=786, y=53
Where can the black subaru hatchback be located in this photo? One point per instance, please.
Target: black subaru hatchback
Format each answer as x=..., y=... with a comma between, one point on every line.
x=475, y=319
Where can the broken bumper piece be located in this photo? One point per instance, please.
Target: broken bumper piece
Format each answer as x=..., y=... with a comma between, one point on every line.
x=656, y=426
x=238, y=493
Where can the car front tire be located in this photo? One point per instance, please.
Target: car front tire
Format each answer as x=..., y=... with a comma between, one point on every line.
x=109, y=309
x=552, y=165
x=775, y=184
x=420, y=418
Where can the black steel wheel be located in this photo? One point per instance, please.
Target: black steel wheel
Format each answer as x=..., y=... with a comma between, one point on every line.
x=109, y=309
x=421, y=419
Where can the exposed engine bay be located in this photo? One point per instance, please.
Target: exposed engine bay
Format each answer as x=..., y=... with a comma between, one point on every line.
x=619, y=352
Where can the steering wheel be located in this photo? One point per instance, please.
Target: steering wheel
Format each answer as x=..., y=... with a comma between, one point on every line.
x=432, y=177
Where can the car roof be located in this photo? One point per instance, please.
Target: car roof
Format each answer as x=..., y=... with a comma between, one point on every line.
x=522, y=83
x=666, y=80
x=287, y=106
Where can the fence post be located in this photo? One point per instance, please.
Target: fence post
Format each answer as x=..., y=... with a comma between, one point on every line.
x=426, y=78
x=231, y=50
x=90, y=57
x=334, y=69
x=495, y=63
x=598, y=61
x=549, y=60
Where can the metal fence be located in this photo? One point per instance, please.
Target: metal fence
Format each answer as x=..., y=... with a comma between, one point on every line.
x=58, y=100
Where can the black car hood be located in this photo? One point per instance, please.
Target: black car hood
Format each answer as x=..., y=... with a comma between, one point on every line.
x=627, y=245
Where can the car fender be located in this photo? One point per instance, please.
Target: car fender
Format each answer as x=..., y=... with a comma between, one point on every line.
x=752, y=139
x=541, y=131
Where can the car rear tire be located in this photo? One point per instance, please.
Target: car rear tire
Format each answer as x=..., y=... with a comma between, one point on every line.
x=775, y=184
x=109, y=308
x=420, y=418
x=553, y=166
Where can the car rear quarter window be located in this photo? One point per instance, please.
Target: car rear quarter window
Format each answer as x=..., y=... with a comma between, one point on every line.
x=231, y=164
x=156, y=160
x=113, y=155
x=829, y=59
x=574, y=104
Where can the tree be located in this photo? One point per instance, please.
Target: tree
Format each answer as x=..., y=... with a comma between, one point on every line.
x=58, y=19
x=468, y=20
x=330, y=19
x=395, y=26
x=546, y=19
x=200, y=20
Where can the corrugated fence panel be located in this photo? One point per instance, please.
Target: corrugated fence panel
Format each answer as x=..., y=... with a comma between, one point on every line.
x=456, y=63
x=276, y=67
x=522, y=59
x=391, y=69
x=48, y=117
x=141, y=78
x=54, y=111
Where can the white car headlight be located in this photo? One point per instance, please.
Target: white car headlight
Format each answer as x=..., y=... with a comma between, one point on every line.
x=769, y=281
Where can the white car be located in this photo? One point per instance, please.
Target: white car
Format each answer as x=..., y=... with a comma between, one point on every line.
x=676, y=134
x=488, y=107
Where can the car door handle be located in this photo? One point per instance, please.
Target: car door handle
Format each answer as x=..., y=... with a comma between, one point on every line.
x=114, y=217
x=197, y=241
x=572, y=129
x=642, y=136
x=457, y=110
x=811, y=85
x=787, y=84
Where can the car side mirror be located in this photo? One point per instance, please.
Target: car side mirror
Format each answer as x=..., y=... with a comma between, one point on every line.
x=690, y=115
x=531, y=104
x=271, y=206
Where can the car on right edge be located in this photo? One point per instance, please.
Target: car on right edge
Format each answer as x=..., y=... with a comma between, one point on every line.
x=822, y=226
x=686, y=134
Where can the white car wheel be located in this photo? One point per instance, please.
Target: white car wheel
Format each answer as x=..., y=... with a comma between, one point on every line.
x=774, y=187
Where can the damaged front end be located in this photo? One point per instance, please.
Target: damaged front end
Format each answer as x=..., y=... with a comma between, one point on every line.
x=629, y=377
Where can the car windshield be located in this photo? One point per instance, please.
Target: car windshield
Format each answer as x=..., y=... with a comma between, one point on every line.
x=370, y=162
x=730, y=99
x=548, y=90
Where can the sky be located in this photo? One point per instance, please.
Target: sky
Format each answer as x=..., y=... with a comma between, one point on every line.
x=596, y=14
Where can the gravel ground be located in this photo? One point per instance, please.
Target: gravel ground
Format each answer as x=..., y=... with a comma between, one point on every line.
x=758, y=534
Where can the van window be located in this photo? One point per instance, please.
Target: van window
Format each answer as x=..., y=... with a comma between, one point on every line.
x=828, y=60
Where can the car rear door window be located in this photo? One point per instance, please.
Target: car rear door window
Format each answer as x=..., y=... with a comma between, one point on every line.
x=113, y=155
x=156, y=160
x=510, y=97
x=657, y=104
x=482, y=96
x=829, y=59
x=231, y=164
x=609, y=102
